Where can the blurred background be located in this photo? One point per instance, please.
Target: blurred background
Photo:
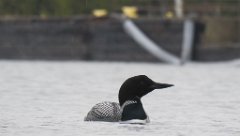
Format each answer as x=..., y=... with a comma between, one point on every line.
x=85, y=29
x=58, y=58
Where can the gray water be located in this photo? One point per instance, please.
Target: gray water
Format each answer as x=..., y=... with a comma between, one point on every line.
x=40, y=98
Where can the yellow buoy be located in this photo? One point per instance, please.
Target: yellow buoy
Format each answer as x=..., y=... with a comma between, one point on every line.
x=100, y=12
x=169, y=15
x=130, y=11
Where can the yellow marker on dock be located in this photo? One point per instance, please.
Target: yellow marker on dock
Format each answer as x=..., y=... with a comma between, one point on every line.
x=130, y=11
x=169, y=15
x=100, y=12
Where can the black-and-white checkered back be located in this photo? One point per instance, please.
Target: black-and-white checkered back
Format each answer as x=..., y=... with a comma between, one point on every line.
x=104, y=111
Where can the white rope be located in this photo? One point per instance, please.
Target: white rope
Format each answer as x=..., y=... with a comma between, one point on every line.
x=148, y=44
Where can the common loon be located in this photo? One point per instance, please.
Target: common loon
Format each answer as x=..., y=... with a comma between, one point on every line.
x=129, y=109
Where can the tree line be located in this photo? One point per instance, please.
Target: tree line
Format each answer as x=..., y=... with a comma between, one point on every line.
x=80, y=7
x=56, y=7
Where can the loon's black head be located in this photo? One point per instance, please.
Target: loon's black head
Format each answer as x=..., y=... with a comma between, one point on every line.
x=138, y=86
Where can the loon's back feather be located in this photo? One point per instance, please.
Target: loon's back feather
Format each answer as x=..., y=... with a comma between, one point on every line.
x=104, y=111
x=112, y=112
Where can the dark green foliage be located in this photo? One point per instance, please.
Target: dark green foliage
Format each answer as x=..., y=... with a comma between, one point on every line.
x=43, y=7
x=79, y=7
x=56, y=7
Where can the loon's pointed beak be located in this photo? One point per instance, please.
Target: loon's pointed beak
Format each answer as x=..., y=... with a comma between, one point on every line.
x=160, y=85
